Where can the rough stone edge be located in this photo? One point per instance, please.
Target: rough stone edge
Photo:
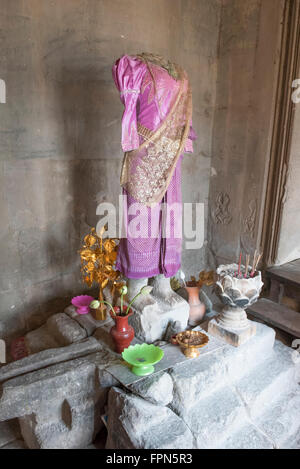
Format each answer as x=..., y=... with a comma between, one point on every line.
x=49, y=357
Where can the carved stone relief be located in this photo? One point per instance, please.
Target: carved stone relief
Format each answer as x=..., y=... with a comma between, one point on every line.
x=221, y=213
x=250, y=218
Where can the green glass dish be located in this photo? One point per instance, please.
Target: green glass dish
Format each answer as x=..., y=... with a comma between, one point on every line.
x=142, y=357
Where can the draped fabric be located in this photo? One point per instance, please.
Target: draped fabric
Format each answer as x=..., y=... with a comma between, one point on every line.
x=156, y=130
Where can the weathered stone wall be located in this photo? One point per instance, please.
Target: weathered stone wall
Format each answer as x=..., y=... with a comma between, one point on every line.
x=250, y=34
x=60, y=131
x=289, y=240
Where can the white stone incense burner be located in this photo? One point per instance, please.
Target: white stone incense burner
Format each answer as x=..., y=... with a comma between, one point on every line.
x=237, y=292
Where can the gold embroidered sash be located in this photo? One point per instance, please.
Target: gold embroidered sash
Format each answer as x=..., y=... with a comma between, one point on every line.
x=147, y=171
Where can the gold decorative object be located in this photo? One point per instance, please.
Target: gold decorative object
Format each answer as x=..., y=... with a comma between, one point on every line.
x=98, y=258
x=175, y=283
x=205, y=278
x=190, y=342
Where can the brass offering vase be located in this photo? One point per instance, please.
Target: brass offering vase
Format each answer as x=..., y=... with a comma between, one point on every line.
x=99, y=313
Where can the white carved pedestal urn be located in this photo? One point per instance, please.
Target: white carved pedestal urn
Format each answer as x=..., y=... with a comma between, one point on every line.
x=237, y=292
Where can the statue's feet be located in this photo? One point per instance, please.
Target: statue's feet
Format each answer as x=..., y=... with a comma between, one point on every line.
x=162, y=291
x=144, y=301
x=134, y=286
x=170, y=299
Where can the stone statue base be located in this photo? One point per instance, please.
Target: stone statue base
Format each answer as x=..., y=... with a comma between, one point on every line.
x=154, y=313
x=233, y=336
x=151, y=322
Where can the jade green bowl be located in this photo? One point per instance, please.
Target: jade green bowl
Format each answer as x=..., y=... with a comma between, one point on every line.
x=142, y=357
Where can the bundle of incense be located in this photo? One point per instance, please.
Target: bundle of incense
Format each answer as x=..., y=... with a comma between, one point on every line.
x=253, y=264
x=256, y=259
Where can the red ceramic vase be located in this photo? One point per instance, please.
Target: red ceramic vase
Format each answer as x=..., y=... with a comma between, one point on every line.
x=122, y=333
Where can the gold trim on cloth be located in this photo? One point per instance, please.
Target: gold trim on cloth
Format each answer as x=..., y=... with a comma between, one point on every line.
x=147, y=171
x=146, y=133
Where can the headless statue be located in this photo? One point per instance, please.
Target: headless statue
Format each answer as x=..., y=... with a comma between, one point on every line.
x=156, y=131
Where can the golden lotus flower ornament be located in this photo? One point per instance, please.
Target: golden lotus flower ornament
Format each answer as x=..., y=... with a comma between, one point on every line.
x=90, y=240
x=98, y=259
x=205, y=278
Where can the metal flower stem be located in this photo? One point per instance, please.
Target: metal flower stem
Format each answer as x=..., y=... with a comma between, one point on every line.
x=132, y=301
x=111, y=307
x=101, y=299
x=121, y=300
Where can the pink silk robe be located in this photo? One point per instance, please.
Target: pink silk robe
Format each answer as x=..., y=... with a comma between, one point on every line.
x=150, y=253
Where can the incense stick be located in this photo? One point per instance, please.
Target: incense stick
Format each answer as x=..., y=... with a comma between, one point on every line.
x=257, y=261
x=253, y=264
x=240, y=261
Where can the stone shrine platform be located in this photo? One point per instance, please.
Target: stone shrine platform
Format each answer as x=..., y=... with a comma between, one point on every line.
x=228, y=397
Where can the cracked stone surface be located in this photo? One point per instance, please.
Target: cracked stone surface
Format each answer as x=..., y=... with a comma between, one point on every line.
x=247, y=437
x=233, y=398
x=59, y=330
x=258, y=388
x=136, y=423
x=40, y=339
x=151, y=322
x=293, y=442
x=59, y=406
x=282, y=420
x=73, y=424
x=154, y=312
x=49, y=357
x=246, y=397
x=24, y=394
x=86, y=321
x=199, y=378
x=215, y=417
x=65, y=330
x=157, y=389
